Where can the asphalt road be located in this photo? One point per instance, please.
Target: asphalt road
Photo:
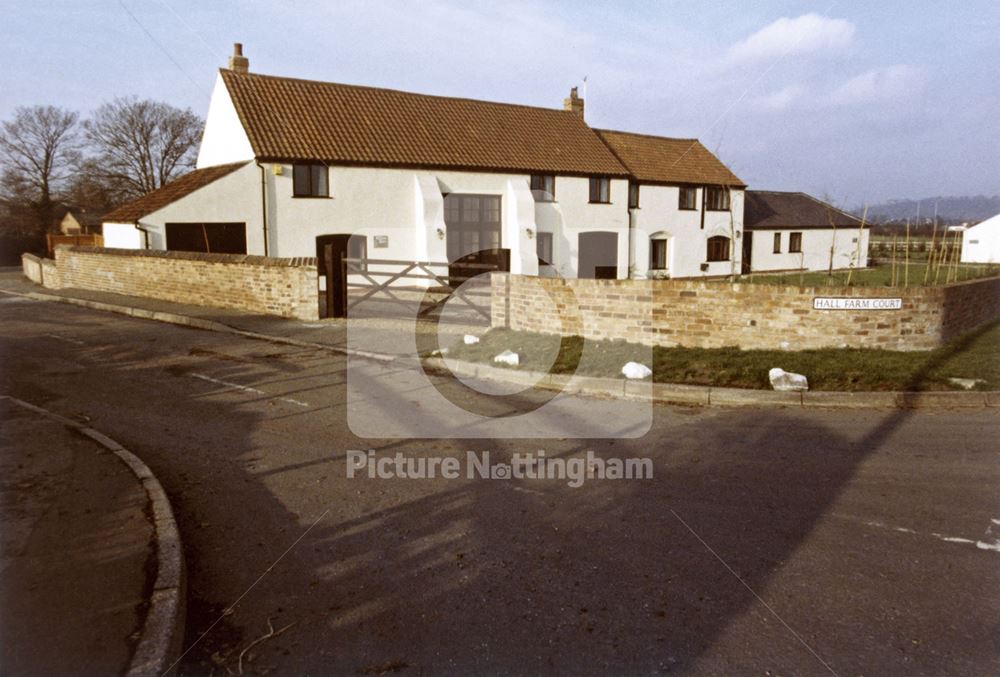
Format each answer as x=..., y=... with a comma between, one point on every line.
x=768, y=541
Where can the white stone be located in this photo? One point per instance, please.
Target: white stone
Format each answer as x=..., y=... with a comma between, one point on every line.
x=636, y=370
x=967, y=383
x=469, y=339
x=785, y=345
x=786, y=380
x=508, y=357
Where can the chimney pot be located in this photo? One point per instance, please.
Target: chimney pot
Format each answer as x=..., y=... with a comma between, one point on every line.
x=238, y=62
x=573, y=103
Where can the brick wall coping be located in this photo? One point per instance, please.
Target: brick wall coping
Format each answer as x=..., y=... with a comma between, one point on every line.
x=791, y=290
x=244, y=259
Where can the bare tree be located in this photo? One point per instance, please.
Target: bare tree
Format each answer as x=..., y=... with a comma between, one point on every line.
x=139, y=145
x=38, y=149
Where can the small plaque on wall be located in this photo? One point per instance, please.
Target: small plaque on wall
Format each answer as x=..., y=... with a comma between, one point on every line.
x=381, y=241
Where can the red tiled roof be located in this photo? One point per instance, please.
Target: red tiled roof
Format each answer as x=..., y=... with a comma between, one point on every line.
x=171, y=192
x=771, y=209
x=290, y=119
x=660, y=159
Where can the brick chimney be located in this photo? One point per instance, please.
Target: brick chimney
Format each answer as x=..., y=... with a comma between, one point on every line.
x=238, y=62
x=573, y=103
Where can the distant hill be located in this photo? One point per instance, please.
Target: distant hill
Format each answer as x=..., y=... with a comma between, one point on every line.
x=950, y=210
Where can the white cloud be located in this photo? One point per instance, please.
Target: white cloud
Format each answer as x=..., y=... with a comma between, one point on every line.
x=778, y=100
x=801, y=35
x=879, y=84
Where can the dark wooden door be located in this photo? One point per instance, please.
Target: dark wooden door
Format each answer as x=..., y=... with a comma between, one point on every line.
x=747, y=252
x=331, y=250
x=598, y=255
x=474, y=235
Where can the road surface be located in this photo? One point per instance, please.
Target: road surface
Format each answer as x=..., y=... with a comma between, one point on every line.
x=769, y=541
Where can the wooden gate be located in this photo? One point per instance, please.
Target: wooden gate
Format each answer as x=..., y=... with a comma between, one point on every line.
x=350, y=282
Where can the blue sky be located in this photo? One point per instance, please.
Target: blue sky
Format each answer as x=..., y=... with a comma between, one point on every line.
x=855, y=101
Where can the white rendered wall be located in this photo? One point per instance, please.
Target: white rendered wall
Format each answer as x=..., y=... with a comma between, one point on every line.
x=572, y=214
x=224, y=139
x=659, y=217
x=815, y=253
x=233, y=198
x=981, y=243
x=123, y=236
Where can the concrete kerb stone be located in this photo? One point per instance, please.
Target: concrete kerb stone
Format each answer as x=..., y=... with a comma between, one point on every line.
x=820, y=399
x=608, y=387
x=941, y=400
x=162, y=633
x=739, y=397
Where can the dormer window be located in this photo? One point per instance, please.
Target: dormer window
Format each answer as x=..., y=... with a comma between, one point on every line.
x=310, y=180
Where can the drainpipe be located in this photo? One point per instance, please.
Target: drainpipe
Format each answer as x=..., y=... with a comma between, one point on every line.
x=145, y=235
x=263, y=202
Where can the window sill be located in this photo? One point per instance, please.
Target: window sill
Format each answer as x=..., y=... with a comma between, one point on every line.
x=312, y=197
x=709, y=209
x=687, y=209
x=597, y=202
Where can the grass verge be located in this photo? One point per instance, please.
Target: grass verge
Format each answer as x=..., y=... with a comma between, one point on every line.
x=975, y=356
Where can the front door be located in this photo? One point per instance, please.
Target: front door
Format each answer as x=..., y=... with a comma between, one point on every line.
x=598, y=256
x=747, y=252
x=473, y=224
x=331, y=250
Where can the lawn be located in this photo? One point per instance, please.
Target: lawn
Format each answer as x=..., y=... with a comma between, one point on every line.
x=976, y=355
x=878, y=276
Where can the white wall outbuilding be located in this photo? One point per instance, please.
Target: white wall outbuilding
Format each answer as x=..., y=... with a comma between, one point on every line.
x=981, y=242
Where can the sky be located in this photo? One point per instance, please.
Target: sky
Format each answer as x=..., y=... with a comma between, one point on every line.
x=858, y=102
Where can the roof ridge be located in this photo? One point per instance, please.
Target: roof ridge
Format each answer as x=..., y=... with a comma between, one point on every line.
x=830, y=206
x=647, y=136
x=401, y=91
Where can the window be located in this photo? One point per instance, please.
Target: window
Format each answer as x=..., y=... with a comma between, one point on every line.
x=688, y=198
x=310, y=181
x=543, y=187
x=543, y=247
x=717, y=198
x=718, y=248
x=600, y=189
x=795, y=243
x=633, y=195
x=777, y=243
x=658, y=254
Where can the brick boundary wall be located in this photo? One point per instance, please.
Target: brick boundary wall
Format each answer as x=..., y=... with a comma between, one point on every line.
x=32, y=267
x=255, y=284
x=702, y=314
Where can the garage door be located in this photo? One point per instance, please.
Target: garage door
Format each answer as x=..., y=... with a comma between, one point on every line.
x=212, y=238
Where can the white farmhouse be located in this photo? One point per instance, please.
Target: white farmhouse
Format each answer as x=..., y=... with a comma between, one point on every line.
x=981, y=242
x=285, y=164
x=795, y=231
